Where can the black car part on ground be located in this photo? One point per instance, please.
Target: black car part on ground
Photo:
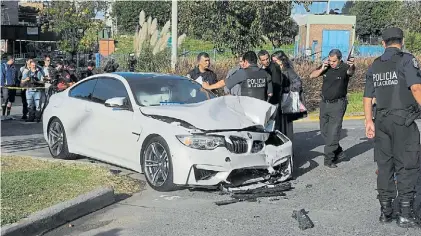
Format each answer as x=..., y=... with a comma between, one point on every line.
x=252, y=195
x=304, y=222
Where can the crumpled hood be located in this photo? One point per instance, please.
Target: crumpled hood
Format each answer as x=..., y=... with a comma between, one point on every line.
x=221, y=113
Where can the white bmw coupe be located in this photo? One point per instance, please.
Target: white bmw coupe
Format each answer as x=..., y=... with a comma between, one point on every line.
x=169, y=128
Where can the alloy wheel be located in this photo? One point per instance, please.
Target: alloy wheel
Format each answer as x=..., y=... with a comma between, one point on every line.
x=156, y=164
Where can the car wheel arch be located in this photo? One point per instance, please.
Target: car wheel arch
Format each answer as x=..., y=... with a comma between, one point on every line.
x=145, y=141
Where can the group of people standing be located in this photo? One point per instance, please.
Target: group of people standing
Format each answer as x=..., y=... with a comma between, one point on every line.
x=36, y=81
x=273, y=81
x=393, y=80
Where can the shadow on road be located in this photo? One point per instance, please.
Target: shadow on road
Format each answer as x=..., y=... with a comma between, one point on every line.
x=112, y=232
x=303, y=150
x=359, y=148
x=11, y=128
x=22, y=145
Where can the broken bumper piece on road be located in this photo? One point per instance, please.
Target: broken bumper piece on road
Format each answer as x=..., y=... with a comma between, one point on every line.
x=252, y=195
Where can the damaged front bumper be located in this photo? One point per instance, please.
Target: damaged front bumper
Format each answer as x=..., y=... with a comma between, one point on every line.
x=248, y=158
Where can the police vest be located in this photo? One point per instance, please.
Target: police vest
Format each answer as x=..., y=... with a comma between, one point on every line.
x=390, y=86
x=255, y=84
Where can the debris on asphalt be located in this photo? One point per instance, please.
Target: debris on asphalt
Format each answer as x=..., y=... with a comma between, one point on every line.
x=309, y=185
x=304, y=222
x=115, y=172
x=251, y=195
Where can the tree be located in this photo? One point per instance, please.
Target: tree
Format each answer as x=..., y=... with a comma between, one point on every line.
x=73, y=21
x=278, y=27
x=374, y=16
x=347, y=7
x=238, y=26
x=408, y=17
x=127, y=13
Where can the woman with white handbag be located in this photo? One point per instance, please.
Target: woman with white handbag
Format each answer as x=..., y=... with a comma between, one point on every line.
x=292, y=105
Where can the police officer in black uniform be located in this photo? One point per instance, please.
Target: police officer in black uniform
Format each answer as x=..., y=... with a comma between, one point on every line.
x=255, y=82
x=394, y=79
x=336, y=75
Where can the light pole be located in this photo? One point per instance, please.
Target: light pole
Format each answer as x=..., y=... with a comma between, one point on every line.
x=174, y=21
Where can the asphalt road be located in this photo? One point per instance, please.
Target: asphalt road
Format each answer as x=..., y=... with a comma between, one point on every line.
x=340, y=201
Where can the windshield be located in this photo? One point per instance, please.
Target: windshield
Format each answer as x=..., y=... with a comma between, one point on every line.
x=168, y=91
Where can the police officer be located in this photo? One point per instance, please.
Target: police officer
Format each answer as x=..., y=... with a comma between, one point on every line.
x=255, y=82
x=336, y=75
x=394, y=79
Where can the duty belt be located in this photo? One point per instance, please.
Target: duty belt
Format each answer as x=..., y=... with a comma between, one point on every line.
x=410, y=114
x=332, y=100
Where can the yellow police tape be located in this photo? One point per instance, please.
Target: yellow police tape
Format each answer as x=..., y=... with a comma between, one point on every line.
x=18, y=88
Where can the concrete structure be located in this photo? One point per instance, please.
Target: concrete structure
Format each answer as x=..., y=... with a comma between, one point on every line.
x=318, y=34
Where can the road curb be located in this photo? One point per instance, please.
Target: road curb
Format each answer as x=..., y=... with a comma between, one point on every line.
x=314, y=119
x=59, y=214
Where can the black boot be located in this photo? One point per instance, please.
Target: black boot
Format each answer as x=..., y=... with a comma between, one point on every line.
x=407, y=218
x=386, y=211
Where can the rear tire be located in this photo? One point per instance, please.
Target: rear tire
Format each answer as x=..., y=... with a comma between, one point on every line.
x=157, y=165
x=57, y=141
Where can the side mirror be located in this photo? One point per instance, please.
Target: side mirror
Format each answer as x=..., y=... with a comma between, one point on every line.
x=117, y=102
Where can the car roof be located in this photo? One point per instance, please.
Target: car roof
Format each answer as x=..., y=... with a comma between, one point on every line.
x=131, y=76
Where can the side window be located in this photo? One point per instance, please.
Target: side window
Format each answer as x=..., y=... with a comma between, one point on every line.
x=83, y=90
x=107, y=88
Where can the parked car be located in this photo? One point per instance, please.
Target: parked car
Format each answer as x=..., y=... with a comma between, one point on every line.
x=169, y=128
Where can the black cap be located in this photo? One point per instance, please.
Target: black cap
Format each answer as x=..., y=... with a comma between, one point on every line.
x=392, y=32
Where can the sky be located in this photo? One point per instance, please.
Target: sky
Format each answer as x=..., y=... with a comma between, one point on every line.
x=318, y=7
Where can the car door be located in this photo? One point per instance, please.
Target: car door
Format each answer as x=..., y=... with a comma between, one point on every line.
x=114, y=130
x=76, y=117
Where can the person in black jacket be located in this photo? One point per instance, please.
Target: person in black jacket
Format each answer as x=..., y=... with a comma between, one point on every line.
x=291, y=82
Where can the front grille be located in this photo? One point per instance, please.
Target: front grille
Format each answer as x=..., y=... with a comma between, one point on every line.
x=239, y=145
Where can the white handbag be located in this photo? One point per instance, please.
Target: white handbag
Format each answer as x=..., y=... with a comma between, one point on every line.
x=292, y=104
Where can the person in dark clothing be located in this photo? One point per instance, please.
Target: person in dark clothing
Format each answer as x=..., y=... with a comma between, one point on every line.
x=202, y=73
x=24, y=69
x=132, y=61
x=291, y=82
x=88, y=71
x=63, y=78
x=255, y=82
x=74, y=77
x=394, y=79
x=275, y=73
x=336, y=75
x=111, y=66
x=9, y=78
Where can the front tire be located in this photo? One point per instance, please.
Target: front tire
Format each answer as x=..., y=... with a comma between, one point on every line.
x=157, y=165
x=57, y=141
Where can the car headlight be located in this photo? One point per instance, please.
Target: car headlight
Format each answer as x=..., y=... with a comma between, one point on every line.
x=201, y=142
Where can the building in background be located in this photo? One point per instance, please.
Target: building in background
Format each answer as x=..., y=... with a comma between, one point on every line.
x=318, y=34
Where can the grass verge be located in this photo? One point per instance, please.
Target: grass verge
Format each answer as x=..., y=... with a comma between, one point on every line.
x=29, y=185
x=355, y=106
